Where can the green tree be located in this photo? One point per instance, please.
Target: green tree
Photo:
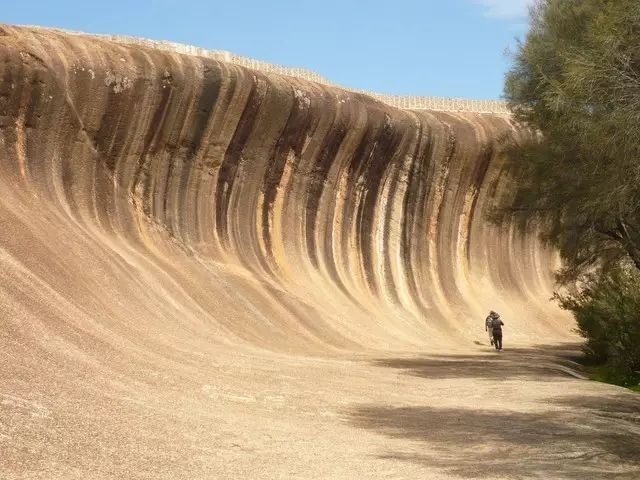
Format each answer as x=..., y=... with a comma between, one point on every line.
x=607, y=311
x=575, y=83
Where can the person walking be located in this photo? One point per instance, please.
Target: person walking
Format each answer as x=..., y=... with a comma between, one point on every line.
x=496, y=326
x=488, y=325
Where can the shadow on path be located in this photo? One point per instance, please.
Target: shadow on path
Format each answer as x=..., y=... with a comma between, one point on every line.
x=582, y=437
x=564, y=444
x=543, y=363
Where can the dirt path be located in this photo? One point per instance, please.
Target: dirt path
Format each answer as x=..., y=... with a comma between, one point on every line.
x=518, y=415
x=480, y=415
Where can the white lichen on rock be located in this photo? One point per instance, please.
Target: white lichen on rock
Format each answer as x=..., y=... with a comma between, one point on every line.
x=118, y=81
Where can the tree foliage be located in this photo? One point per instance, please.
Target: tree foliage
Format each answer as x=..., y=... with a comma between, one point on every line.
x=607, y=311
x=575, y=81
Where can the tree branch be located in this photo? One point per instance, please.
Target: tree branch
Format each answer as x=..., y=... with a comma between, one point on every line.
x=621, y=235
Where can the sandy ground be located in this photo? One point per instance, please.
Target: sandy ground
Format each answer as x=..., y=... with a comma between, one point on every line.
x=479, y=414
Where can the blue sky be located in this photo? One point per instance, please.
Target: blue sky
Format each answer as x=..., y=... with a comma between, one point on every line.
x=409, y=47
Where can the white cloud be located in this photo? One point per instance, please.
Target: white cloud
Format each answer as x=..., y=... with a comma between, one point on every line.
x=509, y=9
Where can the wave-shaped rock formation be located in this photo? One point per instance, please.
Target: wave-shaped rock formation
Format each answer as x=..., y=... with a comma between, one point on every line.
x=270, y=210
x=184, y=241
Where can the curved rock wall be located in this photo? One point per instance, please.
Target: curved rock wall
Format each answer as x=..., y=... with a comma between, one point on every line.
x=174, y=199
x=415, y=102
